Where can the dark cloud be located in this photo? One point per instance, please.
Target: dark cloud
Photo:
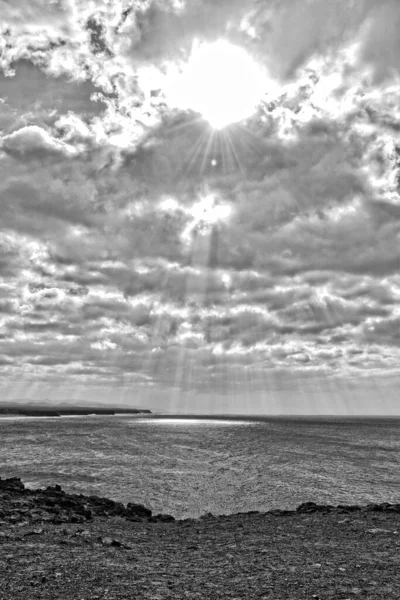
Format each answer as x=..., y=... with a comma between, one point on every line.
x=98, y=42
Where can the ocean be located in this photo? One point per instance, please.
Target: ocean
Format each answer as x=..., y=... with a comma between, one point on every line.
x=187, y=467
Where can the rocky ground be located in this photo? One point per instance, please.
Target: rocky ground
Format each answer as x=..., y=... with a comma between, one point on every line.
x=55, y=545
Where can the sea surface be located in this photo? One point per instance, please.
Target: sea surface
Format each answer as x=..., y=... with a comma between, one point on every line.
x=188, y=467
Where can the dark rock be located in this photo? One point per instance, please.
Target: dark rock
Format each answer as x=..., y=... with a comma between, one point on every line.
x=347, y=508
x=110, y=542
x=107, y=541
x=307, y=507
x=280, y=512
x=374, y=508
x=59, y=520
x=312, y=507
x=162, y=518
x=13, y=483
x=99, y=501
x=137, y=510
x=68, y=503
x=393, y=508
x=76, y=519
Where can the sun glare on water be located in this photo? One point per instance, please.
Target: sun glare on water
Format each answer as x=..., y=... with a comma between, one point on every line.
x=220, y=81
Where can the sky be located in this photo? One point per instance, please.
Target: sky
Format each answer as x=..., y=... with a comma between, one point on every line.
x=199, y=204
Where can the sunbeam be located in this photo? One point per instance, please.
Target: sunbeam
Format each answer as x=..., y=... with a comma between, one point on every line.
x=195, y=147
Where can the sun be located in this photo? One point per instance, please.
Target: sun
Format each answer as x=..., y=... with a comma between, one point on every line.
x=220, y=81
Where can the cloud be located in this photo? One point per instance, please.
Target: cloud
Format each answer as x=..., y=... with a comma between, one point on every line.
x=37, y=18
x=139, y=245
x=35, y=143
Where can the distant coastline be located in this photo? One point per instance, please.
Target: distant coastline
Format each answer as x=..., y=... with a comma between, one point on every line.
x=32, y=410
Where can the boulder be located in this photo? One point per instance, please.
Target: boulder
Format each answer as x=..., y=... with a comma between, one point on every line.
x=13, y=483
x=137, y=510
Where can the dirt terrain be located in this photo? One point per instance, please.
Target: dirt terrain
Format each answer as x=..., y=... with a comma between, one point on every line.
x=314, y=553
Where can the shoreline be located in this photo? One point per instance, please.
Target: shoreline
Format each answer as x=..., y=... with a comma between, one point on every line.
x=55, y=505
x=59, y=546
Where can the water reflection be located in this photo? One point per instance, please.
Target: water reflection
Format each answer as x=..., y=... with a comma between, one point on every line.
x=193, y=421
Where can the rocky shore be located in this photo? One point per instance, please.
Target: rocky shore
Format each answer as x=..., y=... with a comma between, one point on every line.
x=55, y=545
x=19, y=504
